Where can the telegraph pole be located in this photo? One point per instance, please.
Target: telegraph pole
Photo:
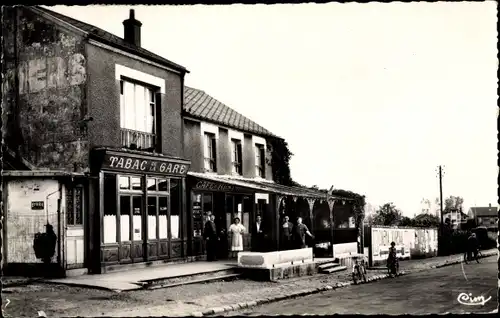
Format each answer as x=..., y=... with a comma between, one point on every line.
x=441, y=195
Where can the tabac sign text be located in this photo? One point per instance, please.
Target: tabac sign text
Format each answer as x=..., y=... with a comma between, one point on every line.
x=117, y=162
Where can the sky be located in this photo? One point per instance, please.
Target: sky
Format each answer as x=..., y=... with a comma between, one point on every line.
x=370, y=97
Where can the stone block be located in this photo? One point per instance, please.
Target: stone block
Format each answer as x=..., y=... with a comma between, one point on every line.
x=271, y=259
x=218, y=310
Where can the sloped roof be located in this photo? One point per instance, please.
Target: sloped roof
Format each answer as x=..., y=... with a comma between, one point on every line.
x=108, y=38
x=199, y=104
x=484, y=211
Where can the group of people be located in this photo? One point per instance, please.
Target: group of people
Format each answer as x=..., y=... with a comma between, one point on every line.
x=216, y=240
x=292, y=236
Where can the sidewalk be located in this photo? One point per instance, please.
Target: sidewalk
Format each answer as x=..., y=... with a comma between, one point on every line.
x=213, y=302
x=134, y=279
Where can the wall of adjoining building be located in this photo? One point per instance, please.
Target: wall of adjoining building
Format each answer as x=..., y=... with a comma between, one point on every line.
x=23, y=220
x=44, y=91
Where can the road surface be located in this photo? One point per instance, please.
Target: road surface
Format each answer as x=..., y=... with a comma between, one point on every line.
x=429, y=291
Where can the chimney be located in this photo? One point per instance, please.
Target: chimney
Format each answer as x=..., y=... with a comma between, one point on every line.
x=490, y=205
x=132, y=29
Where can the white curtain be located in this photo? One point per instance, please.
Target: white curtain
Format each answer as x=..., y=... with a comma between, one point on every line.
x=129, y=98
x=109, y=229
x=174, y=226
x=137, y=223
x=140, y=108
x=124, y=228
x=163, y=225
x=151, y=227
x=122, y=108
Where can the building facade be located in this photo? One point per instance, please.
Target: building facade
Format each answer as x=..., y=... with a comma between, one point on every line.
x=110, y=160
x=485, y=217
x=82, y=102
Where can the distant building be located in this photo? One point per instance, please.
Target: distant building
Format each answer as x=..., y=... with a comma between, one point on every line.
x=456, y=217
x=485, y=216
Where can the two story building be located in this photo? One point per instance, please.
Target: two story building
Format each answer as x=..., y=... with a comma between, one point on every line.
x=485, y=217
x=93, y=126
x=109, y=153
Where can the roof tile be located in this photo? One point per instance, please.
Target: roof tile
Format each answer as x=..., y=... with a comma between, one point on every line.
x=206, y=107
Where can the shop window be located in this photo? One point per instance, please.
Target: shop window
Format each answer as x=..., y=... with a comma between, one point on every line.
x=163, y=216
x=152, y=216
x=247, y=209
x=124, y=183
x=163, y=185
x=175, y=208
x=198, y=221
x=110, y=209
x=125, y=218
x=136, y=183
x=137, y=218
x=74, y=206
x=151, y=184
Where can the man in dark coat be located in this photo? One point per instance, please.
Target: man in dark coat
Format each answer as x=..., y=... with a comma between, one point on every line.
x=287, y=233
x=210, y=235
x=258, y=236
x=300, y=233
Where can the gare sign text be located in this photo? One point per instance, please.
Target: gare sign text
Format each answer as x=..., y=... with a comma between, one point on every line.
x=144, y=165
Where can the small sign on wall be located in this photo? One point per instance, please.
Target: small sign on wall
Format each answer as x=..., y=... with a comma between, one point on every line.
x=37, y=205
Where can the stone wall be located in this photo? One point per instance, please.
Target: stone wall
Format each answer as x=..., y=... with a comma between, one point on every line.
x=44, y=91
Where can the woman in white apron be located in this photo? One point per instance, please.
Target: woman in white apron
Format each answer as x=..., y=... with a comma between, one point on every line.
x=236, y=229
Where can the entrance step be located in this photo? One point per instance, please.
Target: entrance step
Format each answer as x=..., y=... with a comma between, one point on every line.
x=327, y=265
x=203, y=277
x=334, y=269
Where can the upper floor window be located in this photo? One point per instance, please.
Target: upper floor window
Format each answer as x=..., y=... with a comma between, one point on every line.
x=236, y=154
x=138, y=115
x=210, y=152
x=260, y=159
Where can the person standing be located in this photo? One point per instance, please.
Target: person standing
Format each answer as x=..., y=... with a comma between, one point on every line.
x=287, y=231
x=300, y=233
x=211, y=237
x=258, y=235
x=392, y=260
x=472, y=246
x=236, y=229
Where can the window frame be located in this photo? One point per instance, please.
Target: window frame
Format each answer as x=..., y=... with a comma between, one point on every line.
x=151, y=109
x=210, y=146
x=70, y=192
x=260, y=163
x=236, y=157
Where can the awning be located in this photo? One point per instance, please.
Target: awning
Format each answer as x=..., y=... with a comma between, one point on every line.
x=263, y=186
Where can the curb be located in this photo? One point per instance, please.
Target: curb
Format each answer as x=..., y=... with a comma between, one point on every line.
x=300, y=293
x=219, y=310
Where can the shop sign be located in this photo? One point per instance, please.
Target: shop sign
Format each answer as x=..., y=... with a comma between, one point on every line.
x=37, y=205
x=117, y=162
x=214, y=186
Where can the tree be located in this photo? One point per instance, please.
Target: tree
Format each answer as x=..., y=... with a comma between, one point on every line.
x=426, y=220
x=453, y=203
x=280, y=161
x=406, y=221
x=387, y=214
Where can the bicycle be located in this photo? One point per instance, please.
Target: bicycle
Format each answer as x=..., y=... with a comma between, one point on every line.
x=477, y=256
x=359, y=271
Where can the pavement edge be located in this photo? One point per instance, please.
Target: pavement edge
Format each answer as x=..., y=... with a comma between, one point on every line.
x=310, y=291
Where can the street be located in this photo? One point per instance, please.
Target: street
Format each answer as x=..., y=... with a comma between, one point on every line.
x=429, y=291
